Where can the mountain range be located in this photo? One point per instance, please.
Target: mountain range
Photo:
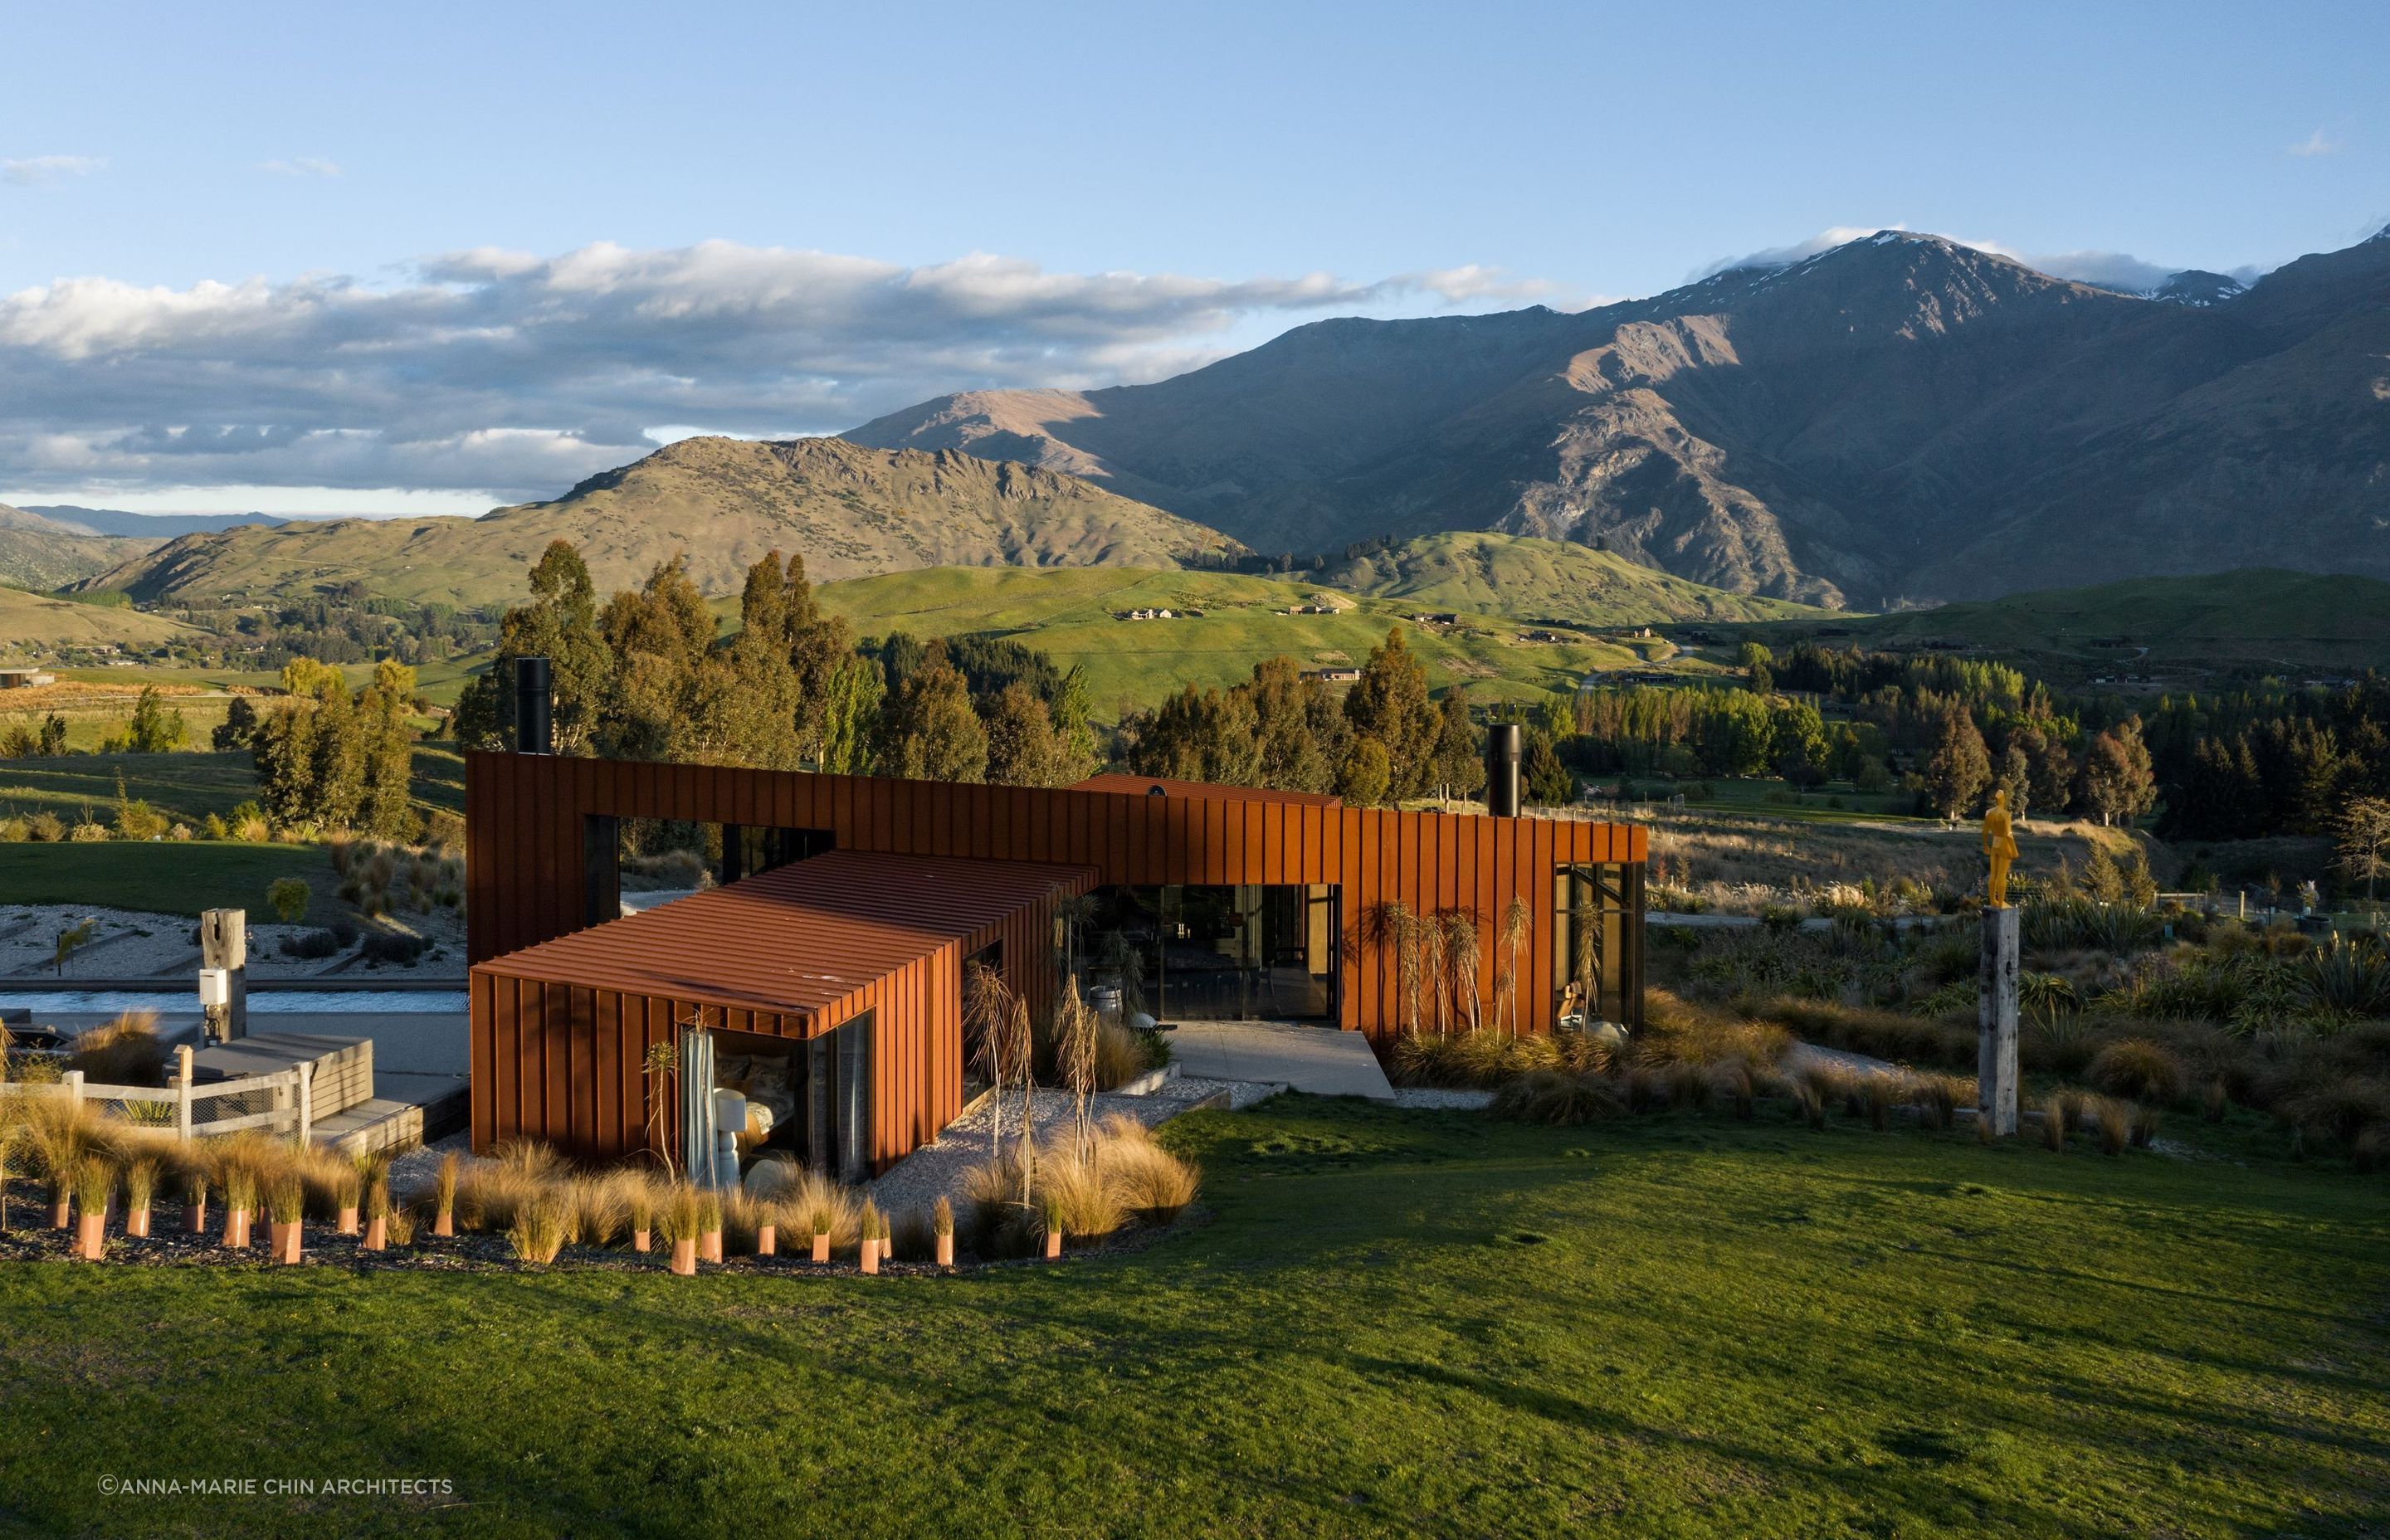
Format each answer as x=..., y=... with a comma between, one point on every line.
x=1901, y=418
x=849, y=511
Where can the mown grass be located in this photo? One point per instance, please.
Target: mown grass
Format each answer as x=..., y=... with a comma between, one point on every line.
x=1395, y=1323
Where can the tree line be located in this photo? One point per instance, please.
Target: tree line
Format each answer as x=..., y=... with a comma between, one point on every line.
x=645, y=676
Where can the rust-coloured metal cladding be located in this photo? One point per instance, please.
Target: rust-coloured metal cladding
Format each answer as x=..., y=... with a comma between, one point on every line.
x=561, y=1030
x=1143, y=785
x=525, y=816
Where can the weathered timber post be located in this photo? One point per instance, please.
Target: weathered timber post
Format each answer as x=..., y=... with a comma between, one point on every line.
x=1995, y=1057
x=224, y=944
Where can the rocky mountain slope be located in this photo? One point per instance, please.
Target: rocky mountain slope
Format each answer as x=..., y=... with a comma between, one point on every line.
x=852, y=511
x=1899, y=418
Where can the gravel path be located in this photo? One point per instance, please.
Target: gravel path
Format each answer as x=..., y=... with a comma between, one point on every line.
x=1428, y=1098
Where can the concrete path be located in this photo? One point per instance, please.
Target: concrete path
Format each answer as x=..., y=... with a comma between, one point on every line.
x=1321, y=1060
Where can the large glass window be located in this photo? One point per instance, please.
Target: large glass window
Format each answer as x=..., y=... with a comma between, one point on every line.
x=1194, y=952
x=1598, y=951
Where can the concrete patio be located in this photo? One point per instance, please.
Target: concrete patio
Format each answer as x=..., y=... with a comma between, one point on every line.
x=1321, y=1060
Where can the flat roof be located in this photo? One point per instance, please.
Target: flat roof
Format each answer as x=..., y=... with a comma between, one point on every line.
x=1143, y=785
x=799, y=938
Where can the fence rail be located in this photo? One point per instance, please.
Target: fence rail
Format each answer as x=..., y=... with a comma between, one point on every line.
x=282, y=1101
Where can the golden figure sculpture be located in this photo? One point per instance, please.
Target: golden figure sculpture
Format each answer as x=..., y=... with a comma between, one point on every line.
x=1999, y=844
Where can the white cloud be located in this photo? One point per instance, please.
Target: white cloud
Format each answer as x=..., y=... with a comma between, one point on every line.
x=1800, y=251
x=2317, y=142
x=48, y=168
x=488, y=369
x=301, y=165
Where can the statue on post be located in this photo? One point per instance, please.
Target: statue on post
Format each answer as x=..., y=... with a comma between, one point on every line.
x=1999, y=844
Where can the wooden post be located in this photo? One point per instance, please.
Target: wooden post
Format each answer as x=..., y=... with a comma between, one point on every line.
x=223, y=943
x=1995, y=1058
x=305, y=1073
x=74, y=1088
x=182, y=1093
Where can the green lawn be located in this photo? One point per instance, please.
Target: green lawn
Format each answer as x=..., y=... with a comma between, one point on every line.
x=167, y=877
x=1395, y=1324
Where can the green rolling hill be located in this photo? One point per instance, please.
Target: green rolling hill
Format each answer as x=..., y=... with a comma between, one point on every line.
x=1068, y=613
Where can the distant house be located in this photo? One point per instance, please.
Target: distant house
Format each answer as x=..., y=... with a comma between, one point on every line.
x=1333, y=676
x=1442, y=618
x=25, y=678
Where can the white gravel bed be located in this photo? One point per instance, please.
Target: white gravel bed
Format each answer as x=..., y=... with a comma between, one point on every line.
x=131, y=943
x=1428, y=1098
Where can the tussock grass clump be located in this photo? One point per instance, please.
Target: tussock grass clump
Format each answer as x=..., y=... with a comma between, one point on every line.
x=287, y=1200
x=1122, y=1054
x=680, y=1216
x=93, y=1182
x=1145, y=1178
x=1937, y=1097
x=2053, y=1121
x=1077, y=1199
x=598, y=1208
x=126, y=1051
x=2138, y=1068
x=2112, y=1119
x=1679, y=1031
x=1558, y=1097
x=539, y=1228
x=819, y=1204
x=941, y=1218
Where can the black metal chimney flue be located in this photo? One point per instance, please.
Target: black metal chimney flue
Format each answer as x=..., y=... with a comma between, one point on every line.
x=535, y=727
x=1503, y=749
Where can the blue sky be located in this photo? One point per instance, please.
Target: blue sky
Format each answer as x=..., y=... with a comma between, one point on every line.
x=214, y=220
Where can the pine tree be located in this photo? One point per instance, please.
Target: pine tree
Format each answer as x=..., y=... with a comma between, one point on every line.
x=1959, y=769
x=1389, y=702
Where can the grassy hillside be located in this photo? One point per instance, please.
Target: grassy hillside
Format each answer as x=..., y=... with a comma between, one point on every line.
x=1068, y=613
x=1505, y=574
x=36, y=552
x=2258, y=620
x=725, y=502
x=35, y=624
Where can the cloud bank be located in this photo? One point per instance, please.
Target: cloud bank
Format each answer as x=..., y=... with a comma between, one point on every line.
x=516, y=374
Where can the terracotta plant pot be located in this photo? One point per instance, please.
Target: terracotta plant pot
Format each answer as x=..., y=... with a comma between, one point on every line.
x=767, y=1240
x=377, y=1234
x=821, y=1248
x=684, y=1257
x=136, y=1222
x=91, y=1235
x=643, y=1241
x=946, y=1251
x=870, y=1256
x=61, y=1214
x=195, y=1217
x=284, y=1241
x=709, y=1246
x=349, y=1220
x=444, y=1223
x=1053, y=1245
x=236, y=1230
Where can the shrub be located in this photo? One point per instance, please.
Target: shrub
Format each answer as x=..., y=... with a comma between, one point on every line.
x=288, y=898
x=2138, y=1069
x=310, y=944
x=45, y=828
x=394, y=946
x=88, y=833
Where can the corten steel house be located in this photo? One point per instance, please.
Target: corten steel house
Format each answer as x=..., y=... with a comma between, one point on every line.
x=827, y=967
